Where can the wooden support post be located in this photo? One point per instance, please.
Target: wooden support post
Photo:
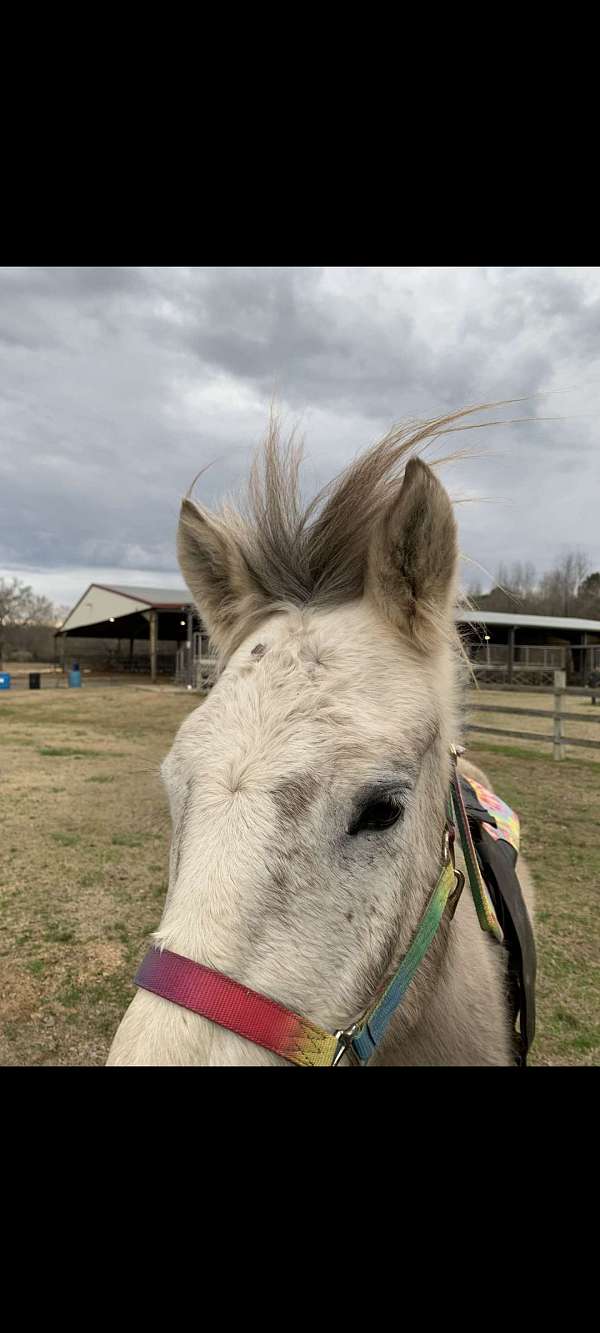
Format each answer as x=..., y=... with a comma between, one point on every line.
x=583, y=672
x=153, y=644
x=131, y=642
x=190, y=682
x=511, y=655
x=560, y=681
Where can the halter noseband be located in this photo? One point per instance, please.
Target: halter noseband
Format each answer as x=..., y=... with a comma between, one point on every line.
x=263, y=1021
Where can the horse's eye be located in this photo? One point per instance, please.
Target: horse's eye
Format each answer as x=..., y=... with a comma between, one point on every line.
x=378, y=814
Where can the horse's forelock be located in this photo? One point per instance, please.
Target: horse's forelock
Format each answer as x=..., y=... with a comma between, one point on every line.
x=317, y=552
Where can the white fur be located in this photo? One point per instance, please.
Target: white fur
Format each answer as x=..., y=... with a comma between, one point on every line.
x=297, y=908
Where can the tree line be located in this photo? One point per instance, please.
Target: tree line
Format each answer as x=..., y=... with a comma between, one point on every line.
x=570, y=588
x=27, y=623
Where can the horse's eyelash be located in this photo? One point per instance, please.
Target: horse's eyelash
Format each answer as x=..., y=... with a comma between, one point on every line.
x=398, y=792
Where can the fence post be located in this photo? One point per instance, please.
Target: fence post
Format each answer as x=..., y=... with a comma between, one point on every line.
x=153, y=644
x=511, y=655
x=560, y=681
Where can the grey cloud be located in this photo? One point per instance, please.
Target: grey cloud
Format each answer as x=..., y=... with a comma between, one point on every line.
x=276, y=327
x=63, y=283
x=118, y=384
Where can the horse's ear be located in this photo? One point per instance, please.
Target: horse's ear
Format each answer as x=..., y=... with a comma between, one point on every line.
x=216, y=572
x=413, y=556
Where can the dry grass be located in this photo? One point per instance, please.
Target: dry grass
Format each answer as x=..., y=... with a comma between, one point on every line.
x=83, y=870
x=83, y=863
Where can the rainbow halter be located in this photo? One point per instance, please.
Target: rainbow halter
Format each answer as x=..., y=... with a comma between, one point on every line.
x=267, y=1023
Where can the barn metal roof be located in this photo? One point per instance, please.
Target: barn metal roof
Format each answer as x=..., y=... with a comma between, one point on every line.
x=153, y=596
x=532, y=622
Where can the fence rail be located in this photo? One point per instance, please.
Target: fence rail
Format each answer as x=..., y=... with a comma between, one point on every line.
x=556, y=715
x=540, y=689
x=535, y=712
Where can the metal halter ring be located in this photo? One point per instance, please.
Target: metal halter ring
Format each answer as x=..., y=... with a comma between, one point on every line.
x=344, y=1036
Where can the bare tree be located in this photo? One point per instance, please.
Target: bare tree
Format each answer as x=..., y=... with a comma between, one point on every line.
x=520, y=580
x=563, y=590
x=559, y=589
x=20, y=606
x=589, y=595
x=515, y=588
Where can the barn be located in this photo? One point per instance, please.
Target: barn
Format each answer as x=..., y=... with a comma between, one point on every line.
x=156, y=630
x=509, y=648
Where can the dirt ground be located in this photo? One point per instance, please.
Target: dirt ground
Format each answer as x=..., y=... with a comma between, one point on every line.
x=84, y=855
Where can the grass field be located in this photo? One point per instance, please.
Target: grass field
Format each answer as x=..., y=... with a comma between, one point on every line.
x=83, y=870
x=83, y=863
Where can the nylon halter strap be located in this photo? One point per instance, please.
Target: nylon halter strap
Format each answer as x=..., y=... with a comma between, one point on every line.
x=267, y=1023
x=483, y=903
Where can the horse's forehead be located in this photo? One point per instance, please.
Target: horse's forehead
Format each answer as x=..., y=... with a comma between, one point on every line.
x=290, y=695
x=312, y=680
x=333, y=648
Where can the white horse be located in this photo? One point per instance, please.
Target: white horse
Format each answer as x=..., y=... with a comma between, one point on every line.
x=308, y=792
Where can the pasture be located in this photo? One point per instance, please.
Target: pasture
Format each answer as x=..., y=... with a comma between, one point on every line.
x=84, y=857
x=572, y=704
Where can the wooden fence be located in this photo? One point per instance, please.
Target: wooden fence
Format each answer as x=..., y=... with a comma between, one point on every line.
x=558, y=716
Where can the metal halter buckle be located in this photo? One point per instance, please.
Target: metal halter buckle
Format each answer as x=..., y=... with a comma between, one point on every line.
x=344, y=1037
x=459, y=879
x=459, y=884
x=447, y=846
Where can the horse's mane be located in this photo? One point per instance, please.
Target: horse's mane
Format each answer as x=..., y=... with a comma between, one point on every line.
x=318, y=552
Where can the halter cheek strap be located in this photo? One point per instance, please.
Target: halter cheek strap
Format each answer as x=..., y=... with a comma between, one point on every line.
x=483, y=903
x=363, y=1039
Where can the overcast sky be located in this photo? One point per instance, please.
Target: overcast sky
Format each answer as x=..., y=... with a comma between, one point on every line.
x=118, y=384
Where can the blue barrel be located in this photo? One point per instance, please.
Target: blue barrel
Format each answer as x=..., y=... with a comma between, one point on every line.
x=75, y=678
x=5, y=680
